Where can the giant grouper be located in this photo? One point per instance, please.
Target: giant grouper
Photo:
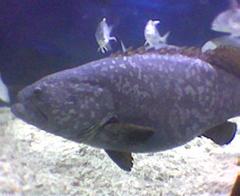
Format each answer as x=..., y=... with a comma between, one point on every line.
x=139, y=101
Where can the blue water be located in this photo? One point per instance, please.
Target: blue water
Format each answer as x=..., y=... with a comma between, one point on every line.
x=41, y=37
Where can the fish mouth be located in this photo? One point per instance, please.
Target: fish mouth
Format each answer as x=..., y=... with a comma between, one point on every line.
x=18, y=110
x=31, y=115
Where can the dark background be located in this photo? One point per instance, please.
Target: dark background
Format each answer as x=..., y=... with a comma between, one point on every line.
x=38, y=37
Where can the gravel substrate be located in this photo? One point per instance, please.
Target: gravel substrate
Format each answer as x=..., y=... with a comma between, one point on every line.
x=33, y=162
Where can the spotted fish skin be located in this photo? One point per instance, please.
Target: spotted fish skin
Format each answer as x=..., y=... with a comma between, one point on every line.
x=180, y=97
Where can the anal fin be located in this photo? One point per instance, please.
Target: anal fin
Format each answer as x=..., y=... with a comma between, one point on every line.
x=223, y=133
x=123, y=159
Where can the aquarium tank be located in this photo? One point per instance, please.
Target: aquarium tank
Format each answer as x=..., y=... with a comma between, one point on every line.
x=120, y=97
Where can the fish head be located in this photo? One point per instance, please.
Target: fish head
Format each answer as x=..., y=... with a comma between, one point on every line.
x=62, y=106
x=153, y=22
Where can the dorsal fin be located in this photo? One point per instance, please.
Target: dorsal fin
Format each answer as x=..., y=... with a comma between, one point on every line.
x=225, y=57
x=168, y=50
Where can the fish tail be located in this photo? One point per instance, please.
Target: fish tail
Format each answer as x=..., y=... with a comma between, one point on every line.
x=165, y=37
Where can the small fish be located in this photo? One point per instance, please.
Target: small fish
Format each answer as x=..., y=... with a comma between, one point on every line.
x=227, y=40
x=152, y=36
x=139, y=101
x=229, y=20
x=4, y=94
x=103, y=37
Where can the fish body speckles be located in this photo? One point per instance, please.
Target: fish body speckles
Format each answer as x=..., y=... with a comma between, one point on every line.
x=132, y=103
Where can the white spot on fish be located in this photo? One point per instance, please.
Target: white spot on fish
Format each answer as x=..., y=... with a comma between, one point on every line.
x=91, y=99
x=75, y=85
x=160, y=68
x=179, y=92
x=209, y=83
x=82, y=106
x=126, y=86
x=139, y=76
x=132, y=63
x=193, y=72
x=119, y=83
x=95, y=65
x=145, y=57
x=123, y=66
x=72, y=111
x=55, y=112
x=171, y=67
x=76, y=126
x=131, y=73
x=154, y=56
x=200, y=89
x=92, y=114
x=188, y=74
x=152, y=87
x=104, y=68
x=180, y=80
x=80, y=115
x=145, y=78
x=189, y=90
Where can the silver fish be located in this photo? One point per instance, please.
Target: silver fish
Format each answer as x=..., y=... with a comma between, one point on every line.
x=103, y=37
x=227, y=40
x=152, y=36
x=139, y=102
x=229, y=20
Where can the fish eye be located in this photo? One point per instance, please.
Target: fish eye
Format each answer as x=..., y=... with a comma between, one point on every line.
x=37, y=91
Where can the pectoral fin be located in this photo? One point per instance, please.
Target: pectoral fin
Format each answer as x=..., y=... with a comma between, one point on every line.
x=123, y=159
x=128, y=133
x=223, y=133
x=124, y=132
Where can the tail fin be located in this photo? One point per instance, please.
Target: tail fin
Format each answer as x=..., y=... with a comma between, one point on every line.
x=164, y=38
x=225, y=57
